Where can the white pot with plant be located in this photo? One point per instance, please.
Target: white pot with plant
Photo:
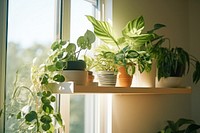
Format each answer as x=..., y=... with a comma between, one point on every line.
x=105, y=66
x=173, y=64
x=65, y=56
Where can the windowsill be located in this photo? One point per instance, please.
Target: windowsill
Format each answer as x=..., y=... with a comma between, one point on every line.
x=70, y=88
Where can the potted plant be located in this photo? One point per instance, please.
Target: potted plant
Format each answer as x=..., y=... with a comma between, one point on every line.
x=129, y=46
x=65, y=55
x=175, y=62
x=105, y=66
x=90, y=64
x=182, y=125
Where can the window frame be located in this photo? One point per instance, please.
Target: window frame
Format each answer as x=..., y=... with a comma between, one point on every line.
x=102, y=110
x=3, y=41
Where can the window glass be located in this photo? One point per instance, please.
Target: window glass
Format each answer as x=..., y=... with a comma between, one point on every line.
x=79, y=105
x=30, y=33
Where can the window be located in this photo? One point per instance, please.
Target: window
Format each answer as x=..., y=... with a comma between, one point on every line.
x=32, y=26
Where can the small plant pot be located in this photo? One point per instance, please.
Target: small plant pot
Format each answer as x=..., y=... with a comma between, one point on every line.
x=76, y=65
x=123, y=79
x=79, y=77
x=90, y=78
x=106, y=78
x=171, y=82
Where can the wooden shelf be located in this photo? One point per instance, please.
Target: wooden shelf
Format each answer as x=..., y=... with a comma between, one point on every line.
x=130, y=90
x=70, y=88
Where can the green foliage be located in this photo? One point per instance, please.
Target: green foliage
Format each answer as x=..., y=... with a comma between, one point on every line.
x=90, y=62
x=103, y=30
x=65, y=51
x=182, y=125
x=175, y=62
x=105, y=61
x=131, y=46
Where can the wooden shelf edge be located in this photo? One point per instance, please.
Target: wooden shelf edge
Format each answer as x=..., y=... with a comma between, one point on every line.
x=130, y=90
x=71, y=88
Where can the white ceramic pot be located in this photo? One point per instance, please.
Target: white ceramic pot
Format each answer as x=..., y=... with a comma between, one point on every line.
x=145, y=79
x=170, y=82
x=79, y=77
x=106, y=78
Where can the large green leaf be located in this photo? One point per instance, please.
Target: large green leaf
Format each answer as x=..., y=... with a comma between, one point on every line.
x=134, y=27
x=103, y=30
x=140, y=40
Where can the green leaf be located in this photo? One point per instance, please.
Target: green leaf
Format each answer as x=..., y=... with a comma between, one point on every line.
x=59, y=65
x=59, y=78
x=45, y=100
x=191, y=128
x=130, y=69
x=103, y=30
x=182, y=121
x=46, y=126
x=46, y=119
x=1, y=112
x=48, y=93
x=134, y=27
x=31, y=116
x=44, y=79
x=156, y=27
x=59, y=119
x=55, y=46
x=140, y=40
x=132, y=54
x=53, y=98
x=51, y=68
x=48, y=108
x=196, y=73
x=89, y=35
x=82, y=42
x=19, y=115
x=62, y=42
x=71, y=47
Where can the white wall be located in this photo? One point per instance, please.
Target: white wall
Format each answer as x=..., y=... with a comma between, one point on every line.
x=148, y=113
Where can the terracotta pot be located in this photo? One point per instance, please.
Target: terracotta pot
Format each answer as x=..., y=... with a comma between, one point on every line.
x=90, y=77
x=123, y=79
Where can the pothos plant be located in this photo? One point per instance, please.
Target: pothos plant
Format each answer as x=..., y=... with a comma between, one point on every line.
x=129, y=46
x=32, y=106
x=104, y=59
x=37, y=113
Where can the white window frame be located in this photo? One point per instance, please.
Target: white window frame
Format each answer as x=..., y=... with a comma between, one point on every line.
x=102, y=104
x=3, y=27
